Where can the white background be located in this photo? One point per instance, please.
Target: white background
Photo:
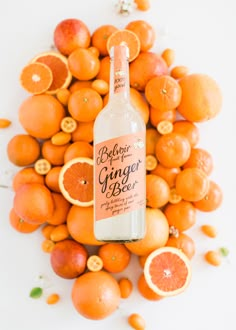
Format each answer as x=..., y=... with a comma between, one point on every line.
x=203, y=35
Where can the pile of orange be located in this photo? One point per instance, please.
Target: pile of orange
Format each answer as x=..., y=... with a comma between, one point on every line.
x=54, y=186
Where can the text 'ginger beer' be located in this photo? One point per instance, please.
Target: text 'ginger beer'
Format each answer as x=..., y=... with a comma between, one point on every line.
x=119, y=160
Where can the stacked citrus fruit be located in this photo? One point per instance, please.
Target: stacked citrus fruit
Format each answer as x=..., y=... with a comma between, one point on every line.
x=54, y=186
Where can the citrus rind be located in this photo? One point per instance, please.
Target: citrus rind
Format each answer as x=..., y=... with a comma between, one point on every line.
x=61, y=181
x=166, y=272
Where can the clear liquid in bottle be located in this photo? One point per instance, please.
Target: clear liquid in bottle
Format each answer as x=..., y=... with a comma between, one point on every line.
x=119, y=161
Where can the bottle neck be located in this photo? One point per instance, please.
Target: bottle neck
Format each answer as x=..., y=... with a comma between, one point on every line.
x=119, y=74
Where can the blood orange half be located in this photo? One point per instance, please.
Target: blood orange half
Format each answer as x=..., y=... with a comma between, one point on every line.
x=167, y=271
x=58, y=64
x=76, y=181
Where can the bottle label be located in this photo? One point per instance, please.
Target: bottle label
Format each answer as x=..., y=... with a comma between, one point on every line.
x=119, y=69
x=120, y=173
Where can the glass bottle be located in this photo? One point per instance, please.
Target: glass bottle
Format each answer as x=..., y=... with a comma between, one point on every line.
x=119, y=160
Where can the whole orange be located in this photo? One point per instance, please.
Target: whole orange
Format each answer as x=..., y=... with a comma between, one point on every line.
x=157, y=233
x=20, y=225
x=53, y=153
x=85, y=104
x=41, y=115
x=96, y=295
x=68, y=259
x=26, y=175
x=145, y=33
x=192, y=184
x=23, y=150
x=78, y=149
x=182, y=215
x=201, y=97
x=154, y=66
x=173, y=150
x=33, y=202
x=163, y=93
x=115, y=257
x=83, y=64
x=80, y=225
x=70, y=34
x=183, y=242
x=157, y=191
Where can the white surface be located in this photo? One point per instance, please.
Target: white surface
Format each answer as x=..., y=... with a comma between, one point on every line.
x=203, y=34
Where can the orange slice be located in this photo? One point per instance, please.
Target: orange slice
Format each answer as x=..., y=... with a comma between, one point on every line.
x=68, y=124
x=94, y=263
x=165, y=127
x=59, y=66
x=125, y=37
x=36, y=78
x=76, y=181
x=167, y=271
x=151, y=162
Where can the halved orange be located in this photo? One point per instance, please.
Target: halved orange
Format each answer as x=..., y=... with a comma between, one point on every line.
x=36, y=78
x=167, y=271
x=76, y=181
x=58, y=64
x=125, y=37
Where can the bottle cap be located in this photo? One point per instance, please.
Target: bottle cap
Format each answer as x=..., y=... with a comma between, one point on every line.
x=121, y=49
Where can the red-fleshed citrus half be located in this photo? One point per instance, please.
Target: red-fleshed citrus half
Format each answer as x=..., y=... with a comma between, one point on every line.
x=76, y=181
x=58, y=64
x=167, y=271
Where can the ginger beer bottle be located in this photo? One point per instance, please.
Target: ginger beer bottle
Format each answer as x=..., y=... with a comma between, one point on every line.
x=119, y=160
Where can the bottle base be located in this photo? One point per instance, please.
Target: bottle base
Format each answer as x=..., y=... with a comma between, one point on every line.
x=119, y=240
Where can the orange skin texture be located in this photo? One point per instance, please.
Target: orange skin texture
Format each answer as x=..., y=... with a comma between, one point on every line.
x=183, y=242
x=163, y=92
x=70, y=34
x=96, y=295
x=53, y=153
x=41, y=115
x=104, y=71
x=146, y=66
x=80, y=225
x=26, y=175
x=192, y=184
x=181, y=215
x=115, y=257
x=100, y=36
x=33, y=202
x=189, y=130
x=78, y=149
x=145, y=33
x=173, y=150
x=212, y=200
x=23, y=150
x=83, y=64
x=85, y=104
x=52, y=179
x=157, y=233
x=61, y=209
x=201, y=97
x=200, y=158
x=157, y=191
x=20, y=225
x=68, y=259
x=145, y=291
x=168, y=174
